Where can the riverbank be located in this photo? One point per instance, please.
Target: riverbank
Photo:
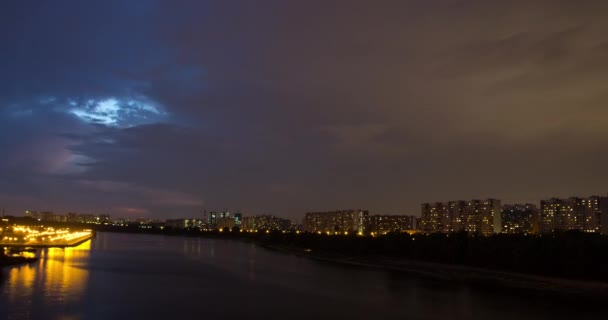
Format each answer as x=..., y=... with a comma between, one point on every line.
x=456, y=273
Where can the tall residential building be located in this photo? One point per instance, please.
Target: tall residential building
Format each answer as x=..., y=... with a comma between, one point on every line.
x=383, y=224
x=336, y=221
x=238, y=219
x=582, y=214
x=429, y=221
x=520, y=219
x=225, y=222
x=184, y=223
x=604, y=215
x=419, y=223
x=248, y=223
x=474, y=216
x=212, y=219
x=444, y=217
x=265, y=222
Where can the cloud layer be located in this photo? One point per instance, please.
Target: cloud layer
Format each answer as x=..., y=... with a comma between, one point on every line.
x=163, y=109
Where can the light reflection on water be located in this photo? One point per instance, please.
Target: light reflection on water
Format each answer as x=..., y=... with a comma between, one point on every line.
x=56, y=278
x=123, y=276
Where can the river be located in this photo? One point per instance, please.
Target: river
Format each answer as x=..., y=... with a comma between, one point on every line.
x=132, y=276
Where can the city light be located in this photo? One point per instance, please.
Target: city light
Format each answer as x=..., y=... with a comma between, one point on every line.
x=41, y=235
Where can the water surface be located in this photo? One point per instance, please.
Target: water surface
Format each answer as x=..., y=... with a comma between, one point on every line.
x=130, y=276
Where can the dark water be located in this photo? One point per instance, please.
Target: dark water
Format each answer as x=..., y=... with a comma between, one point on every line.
x=124, y=276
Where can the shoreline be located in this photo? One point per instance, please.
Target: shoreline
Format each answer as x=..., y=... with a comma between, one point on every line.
x=457, y=273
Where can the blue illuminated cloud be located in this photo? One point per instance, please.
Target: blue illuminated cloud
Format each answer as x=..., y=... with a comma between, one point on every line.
x=117, y=112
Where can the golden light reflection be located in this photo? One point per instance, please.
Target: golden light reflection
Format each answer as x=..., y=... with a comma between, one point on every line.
x=26, y=275
x=59, y=274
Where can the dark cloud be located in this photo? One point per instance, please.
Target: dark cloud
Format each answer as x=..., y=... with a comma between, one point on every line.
x=163, y=108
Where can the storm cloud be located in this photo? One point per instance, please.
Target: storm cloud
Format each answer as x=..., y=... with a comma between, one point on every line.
x=167, y=108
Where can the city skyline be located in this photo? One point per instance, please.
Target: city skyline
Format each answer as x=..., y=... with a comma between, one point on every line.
x=152, y=109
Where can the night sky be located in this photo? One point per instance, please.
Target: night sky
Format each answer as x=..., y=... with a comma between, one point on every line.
x=165, y=108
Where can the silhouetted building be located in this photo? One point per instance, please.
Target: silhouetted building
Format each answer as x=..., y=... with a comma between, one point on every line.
x=582, y=214
x=72, y=217
x=212, y=219
x=225, y=222
x=47, y=216
x=382, y=224
x=238, y=219
x=474, y=216
x=336, y=221
x=296, y=227
x=184, y=223
x=32, y=214
x=248, y=223
x=265, y=222
x=520, y=219
x=604, y=215
x=103, y=218
x=93, y=219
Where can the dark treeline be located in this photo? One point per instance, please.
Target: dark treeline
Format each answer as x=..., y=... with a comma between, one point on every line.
x=569, y=255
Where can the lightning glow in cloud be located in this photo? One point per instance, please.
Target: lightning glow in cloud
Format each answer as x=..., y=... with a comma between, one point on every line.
x=116, y=112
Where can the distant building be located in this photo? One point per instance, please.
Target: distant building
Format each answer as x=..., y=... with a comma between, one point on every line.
x=86, y=218
x=175, y=223
x=248, y=223
x=445, y=217
x=184, y=223
x=72, y=217
x=93, y=219
x=296, y=227
x=474, y=216
x=212, y=219
x=382, y=224
x=520, y=219
x=336, y=221
x=604, y=215
x=32, y=214
x=103, y=219
x=582, y=214
x=238, y=219
x=225, y=222
x=265, y=222
x=47, y=216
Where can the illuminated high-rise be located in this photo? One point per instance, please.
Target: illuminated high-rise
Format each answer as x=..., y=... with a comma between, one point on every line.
x=382, y=224
x=582, y=214
x=336, y=221
x=520, y=219
x=474, y=216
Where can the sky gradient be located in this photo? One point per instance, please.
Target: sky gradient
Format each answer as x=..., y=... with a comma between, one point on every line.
x=165, y=108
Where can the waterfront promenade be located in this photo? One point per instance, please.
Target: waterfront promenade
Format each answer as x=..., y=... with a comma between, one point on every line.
x=42, y=237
